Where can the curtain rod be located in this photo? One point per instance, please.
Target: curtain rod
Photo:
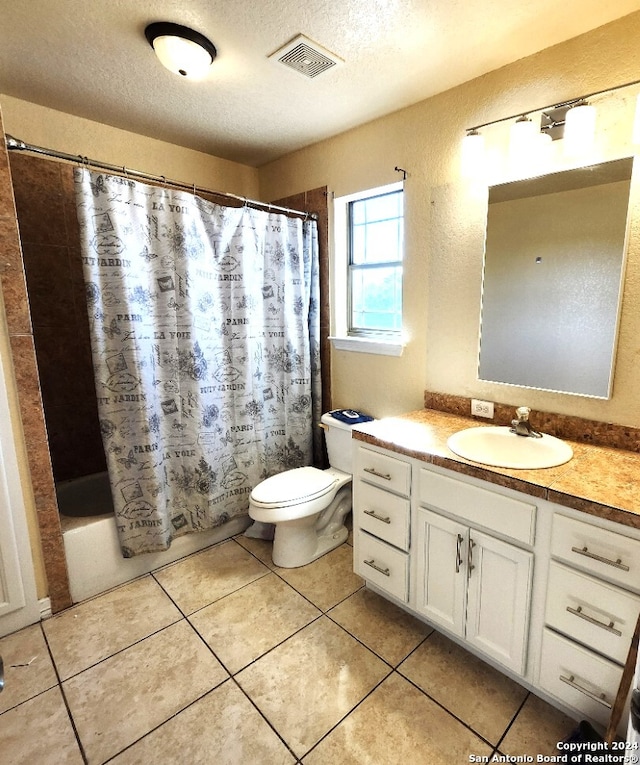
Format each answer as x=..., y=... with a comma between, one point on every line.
x=14, y=144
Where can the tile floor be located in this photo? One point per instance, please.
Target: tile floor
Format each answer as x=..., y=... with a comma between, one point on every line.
x=224, y=658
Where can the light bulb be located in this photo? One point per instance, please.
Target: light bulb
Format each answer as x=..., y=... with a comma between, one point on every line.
x=521, y=142
x=472, y=157
x=579, y=129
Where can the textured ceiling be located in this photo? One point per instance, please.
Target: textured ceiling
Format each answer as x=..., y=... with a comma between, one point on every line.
x=90, y=58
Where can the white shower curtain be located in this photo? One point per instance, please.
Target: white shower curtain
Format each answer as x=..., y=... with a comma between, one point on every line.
x=205, y=339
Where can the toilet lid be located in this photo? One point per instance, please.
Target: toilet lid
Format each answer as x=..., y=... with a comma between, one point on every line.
x=293, y=487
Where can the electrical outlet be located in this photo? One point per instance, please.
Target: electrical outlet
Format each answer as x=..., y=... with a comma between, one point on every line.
x=482, y=408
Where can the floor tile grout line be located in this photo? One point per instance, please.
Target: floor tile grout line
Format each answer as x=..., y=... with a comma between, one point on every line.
x=364, y=645
x=324, y=611
x=164, y=722
x=264, y=717
x=513, y=719
x=276, y=571
x=44, y=690
x=351, y=711
x=193, y=554
x=217, y=600
x=210, y=648
x=97, y=596
x=448, y=711
x=122, y=650
x=65, y=701
x=273, y=648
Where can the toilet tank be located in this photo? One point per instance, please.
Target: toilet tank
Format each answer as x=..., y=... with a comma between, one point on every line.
x=338, y=438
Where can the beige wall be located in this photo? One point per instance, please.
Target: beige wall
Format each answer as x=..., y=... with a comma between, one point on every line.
x=445, y=222
x=74, y=135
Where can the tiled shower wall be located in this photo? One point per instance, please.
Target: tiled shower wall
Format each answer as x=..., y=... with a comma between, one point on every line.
x=45, y=205
x=24, y=362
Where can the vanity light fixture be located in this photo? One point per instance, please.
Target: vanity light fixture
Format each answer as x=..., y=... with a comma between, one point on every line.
x=181, y=50
x=573, y=120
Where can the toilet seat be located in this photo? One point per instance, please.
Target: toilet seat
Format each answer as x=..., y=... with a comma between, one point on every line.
x=293, y=487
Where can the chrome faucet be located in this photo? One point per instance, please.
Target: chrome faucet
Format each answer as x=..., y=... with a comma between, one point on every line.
x=521, y=425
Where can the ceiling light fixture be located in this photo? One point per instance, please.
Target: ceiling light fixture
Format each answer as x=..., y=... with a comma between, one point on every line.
x=180, y=49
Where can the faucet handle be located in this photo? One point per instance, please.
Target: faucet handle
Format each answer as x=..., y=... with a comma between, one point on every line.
x=522, y=413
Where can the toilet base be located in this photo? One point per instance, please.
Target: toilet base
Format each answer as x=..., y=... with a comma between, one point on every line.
x=291, y=549
x=299, y=542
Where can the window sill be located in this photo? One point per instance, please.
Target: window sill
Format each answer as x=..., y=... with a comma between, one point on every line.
x=368, y=345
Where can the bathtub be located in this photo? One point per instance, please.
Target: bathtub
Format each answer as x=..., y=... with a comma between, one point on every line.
x=94, y=560
x=85, y=496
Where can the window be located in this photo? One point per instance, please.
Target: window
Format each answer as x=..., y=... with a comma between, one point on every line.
x=368, y=250
x=375, y=244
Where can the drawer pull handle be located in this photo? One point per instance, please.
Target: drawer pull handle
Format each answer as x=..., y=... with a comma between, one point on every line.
x=372, y=563
x=373, y=514
x=601, y=699
x=608, y=627
x=459, y=542
x=373, y=471
x=615, y=563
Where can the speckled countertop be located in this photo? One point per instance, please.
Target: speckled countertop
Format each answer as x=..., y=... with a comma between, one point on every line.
x=598, y=480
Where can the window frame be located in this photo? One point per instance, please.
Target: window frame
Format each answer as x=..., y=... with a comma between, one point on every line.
x=387, y=343
x=354, y=268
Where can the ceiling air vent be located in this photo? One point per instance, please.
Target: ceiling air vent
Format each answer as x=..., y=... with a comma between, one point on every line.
x=306, y=57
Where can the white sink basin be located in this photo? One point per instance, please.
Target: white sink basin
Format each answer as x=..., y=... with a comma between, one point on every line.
x=499, y=447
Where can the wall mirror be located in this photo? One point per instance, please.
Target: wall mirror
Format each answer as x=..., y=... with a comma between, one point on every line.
x=552, y=285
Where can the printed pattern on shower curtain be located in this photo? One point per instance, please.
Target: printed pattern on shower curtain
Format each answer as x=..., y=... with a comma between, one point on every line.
x=205, y=341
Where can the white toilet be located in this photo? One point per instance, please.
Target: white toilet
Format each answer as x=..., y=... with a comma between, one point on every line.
x=307, y=505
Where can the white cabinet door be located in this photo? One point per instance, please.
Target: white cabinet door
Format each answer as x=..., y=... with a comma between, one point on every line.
x=441, y=570
x=499, y=587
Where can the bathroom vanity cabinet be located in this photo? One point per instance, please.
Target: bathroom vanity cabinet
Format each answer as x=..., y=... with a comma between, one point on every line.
x=470, y=581
x=545, y=593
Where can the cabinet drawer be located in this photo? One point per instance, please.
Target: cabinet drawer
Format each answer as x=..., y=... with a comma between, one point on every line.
x=479, y=507
x=602, y=552
x=383, y=514
x=386, y=472
x=599, y=615
x=579, y=678
x=382, y=565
